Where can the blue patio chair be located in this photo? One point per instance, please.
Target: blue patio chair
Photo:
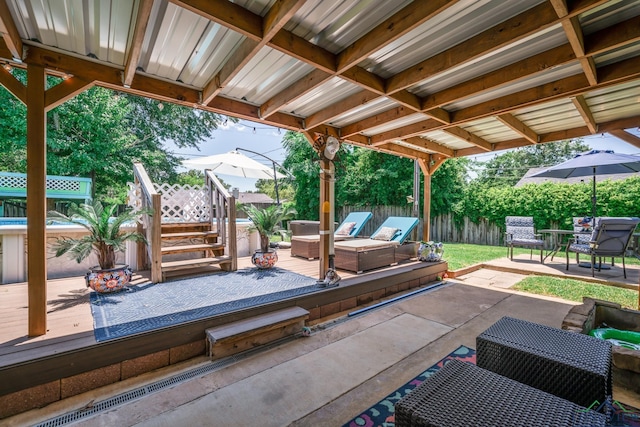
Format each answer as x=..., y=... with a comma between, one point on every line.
x=520, y=231
x=610, y=238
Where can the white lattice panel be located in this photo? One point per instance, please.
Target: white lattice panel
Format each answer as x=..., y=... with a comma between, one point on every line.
x=51, y=183
x=134, y=196
x=184, y=203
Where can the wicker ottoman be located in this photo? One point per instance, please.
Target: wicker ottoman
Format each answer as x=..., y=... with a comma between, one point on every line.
x=464, y=395
x=572, y=366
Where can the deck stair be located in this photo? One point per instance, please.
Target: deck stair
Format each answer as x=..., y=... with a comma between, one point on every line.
x=195, y=249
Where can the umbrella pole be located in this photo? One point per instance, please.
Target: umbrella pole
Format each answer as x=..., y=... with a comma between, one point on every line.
x=593, y=196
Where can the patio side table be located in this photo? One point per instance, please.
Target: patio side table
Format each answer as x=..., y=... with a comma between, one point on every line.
x=461, y=394
x=572, y=366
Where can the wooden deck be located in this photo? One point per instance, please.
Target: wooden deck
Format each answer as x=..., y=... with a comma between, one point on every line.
x=69, y=319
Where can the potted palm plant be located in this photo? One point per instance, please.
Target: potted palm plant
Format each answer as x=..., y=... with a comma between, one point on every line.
x=105, y=239
x=266, y=222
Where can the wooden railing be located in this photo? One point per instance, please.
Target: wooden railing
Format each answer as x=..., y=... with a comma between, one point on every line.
x=150, y=199
x=223, y=215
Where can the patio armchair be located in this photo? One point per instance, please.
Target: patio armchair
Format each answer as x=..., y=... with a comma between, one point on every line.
x=610, y=238
x=520, y=231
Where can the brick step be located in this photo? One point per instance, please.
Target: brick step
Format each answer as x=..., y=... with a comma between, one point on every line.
x=245, y=334
x=197, y=247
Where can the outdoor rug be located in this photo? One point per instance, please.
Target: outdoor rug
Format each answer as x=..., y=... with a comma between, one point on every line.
x=151, y=306
x=382, y=413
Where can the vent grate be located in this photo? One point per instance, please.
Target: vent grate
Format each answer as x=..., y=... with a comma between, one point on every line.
x=129, y=396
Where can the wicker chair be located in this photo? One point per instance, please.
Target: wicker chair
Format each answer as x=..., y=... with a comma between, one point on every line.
x=610, y=238
x=520, y=231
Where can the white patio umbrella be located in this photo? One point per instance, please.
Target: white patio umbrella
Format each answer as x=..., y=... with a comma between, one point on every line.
x=594, y=162
x=232, y=163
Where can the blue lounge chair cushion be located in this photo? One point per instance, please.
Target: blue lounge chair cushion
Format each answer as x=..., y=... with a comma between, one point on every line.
x=359, y=218
x=403, y=224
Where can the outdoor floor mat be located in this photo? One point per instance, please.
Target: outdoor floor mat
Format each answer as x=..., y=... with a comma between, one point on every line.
x=382, y=413
x=151, y=306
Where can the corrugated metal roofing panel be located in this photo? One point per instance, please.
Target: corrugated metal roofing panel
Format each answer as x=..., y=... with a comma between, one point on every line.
x=100, y=28
x=395, y=124
x=412, y=146
x=608, y=14
x=335, y=24
x=177, y=35
x=268, y=73
x=615, y=102
x=551, y=116
x=540, y=42
x=369, y=109
x=447, y=140
x=547, y=76
x=468, y=17
x=491, y=130
x=322, y=96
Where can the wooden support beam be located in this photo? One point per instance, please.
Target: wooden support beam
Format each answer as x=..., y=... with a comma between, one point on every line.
x=277, y=16
x=430, y=145
x=64, y=91
x=227, y=14
x=13, y=85
x=375, y=120
x=458, y=132
x=389, y=30
x=335, y=110
x=505, y=33
x=36, y=201
x=517, y=126
x=585, y=112
x=293, y=92
x=142, y=20
x=10, y=33
x=407, y=131
x=626, y=137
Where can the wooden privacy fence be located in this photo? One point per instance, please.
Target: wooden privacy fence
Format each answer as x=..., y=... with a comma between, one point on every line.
x=443, y=228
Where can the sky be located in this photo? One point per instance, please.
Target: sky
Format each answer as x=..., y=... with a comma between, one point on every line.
x=267, y=140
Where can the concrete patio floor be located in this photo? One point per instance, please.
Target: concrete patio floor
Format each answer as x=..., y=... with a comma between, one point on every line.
x=347, y=365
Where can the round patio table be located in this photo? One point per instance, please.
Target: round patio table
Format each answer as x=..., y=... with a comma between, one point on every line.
x=558, y=240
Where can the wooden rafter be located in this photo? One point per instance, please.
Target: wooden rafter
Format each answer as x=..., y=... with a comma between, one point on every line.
x=517, y=126
x=277, y=16
x=626, y=137
x=460, y=133
x=431, y=146
x=585, y=112
x=339, y=108
x=10, y=33
x=135, y=50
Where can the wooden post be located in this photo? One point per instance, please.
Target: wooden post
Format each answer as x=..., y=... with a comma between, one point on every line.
x=36, y=200
x=326, y=222
x=426, y=214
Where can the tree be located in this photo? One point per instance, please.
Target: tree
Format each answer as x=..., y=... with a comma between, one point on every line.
x=100, y=133
x=507, y=169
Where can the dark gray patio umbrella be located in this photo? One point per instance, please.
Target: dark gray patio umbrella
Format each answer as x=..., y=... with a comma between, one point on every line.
x=594, y=162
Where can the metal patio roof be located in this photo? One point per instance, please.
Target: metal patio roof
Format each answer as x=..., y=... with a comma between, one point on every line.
x=426, y=79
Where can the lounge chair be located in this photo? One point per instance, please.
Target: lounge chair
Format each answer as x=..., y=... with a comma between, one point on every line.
x=309, y=246
x=386, y=246
x=610, y=238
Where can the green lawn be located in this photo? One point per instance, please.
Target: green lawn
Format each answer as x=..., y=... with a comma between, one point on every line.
x=460, y=255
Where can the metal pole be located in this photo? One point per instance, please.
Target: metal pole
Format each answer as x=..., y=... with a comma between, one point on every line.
x=593, y=196
x=275, y=183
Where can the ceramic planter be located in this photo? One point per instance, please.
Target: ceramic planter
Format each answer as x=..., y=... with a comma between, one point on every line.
x=264, y=260
x=110, y=280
